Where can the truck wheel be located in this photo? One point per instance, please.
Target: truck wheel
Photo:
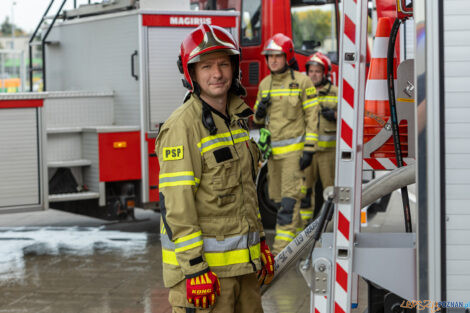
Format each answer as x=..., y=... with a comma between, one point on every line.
x=266, y=206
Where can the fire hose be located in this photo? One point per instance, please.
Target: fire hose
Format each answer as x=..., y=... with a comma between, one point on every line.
x=371, y=192
x=394, y=119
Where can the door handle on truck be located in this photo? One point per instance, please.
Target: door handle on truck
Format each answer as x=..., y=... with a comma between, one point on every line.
x=133, y=74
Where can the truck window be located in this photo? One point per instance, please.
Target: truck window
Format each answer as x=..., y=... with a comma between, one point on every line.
x=314, y=29
x=251, y=23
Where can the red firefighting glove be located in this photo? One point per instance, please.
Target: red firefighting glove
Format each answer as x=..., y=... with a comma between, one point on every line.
x=201, y=290
x=266, y=274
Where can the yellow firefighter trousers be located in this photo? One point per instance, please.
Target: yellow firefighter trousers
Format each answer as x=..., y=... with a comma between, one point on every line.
x=323, y=168
x=285, y=181
x=237, y=294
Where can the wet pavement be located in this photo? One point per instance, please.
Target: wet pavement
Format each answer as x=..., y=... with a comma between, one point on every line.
x=86, y=265
x=80, y=269
x=62, y=269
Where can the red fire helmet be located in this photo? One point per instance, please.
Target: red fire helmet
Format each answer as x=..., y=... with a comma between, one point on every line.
x=205, y=39
x=319, y=59
x=280, y=43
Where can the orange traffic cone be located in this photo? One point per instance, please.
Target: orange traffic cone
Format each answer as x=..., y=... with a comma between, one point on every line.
x=377, y=108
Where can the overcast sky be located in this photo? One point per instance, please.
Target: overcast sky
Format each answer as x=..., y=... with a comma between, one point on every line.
x=27, y=13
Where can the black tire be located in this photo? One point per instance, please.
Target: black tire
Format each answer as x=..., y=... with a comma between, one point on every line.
x=266, y=206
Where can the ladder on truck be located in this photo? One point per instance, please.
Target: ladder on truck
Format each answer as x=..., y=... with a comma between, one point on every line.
x=348, y=253
x=40, y=40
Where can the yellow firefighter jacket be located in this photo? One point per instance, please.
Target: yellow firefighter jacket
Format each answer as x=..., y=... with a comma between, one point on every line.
x=210, y=215
x=291, y=116
x=327, y=98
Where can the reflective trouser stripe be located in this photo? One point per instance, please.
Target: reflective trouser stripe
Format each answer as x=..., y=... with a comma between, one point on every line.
x=284, y=235
x=306, y=214
x=327, y=144
x=219, y=258
x=327, y=141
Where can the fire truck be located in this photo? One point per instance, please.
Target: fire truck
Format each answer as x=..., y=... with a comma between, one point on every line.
x=109, y=72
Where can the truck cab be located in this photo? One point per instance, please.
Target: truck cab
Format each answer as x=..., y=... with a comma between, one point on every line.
x=313, y=26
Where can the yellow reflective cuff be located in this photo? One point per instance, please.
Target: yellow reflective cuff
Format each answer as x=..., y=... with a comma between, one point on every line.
x=310, y=103
x=256, y=105
x=303, y=190
x=188, y=237
x=288, y=148
x=193, y=245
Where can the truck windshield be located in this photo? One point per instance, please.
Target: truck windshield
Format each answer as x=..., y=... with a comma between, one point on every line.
x=314, y=29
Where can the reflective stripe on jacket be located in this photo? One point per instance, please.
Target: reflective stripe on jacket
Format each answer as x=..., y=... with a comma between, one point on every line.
x=327, y=98
x=291, y=116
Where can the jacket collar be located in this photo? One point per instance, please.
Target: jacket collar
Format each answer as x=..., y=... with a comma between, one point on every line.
x=236, y=109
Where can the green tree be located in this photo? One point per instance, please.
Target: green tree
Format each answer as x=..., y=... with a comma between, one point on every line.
x=6, y=28
x=313, y=25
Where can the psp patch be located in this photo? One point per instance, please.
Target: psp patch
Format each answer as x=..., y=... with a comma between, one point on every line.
x=311, y=92
x=173, y=153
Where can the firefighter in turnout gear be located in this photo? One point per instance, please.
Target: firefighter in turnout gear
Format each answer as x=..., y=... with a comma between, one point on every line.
x=318, y=68
x=286, y=105
x=213, y=245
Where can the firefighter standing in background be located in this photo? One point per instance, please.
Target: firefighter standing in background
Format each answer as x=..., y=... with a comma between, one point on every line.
x=286, y=105
x=213, y=243
x=318, y=68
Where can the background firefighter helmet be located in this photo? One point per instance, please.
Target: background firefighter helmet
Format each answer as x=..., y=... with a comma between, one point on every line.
x=320, y=59
x=280, y=43
x=205, y=39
